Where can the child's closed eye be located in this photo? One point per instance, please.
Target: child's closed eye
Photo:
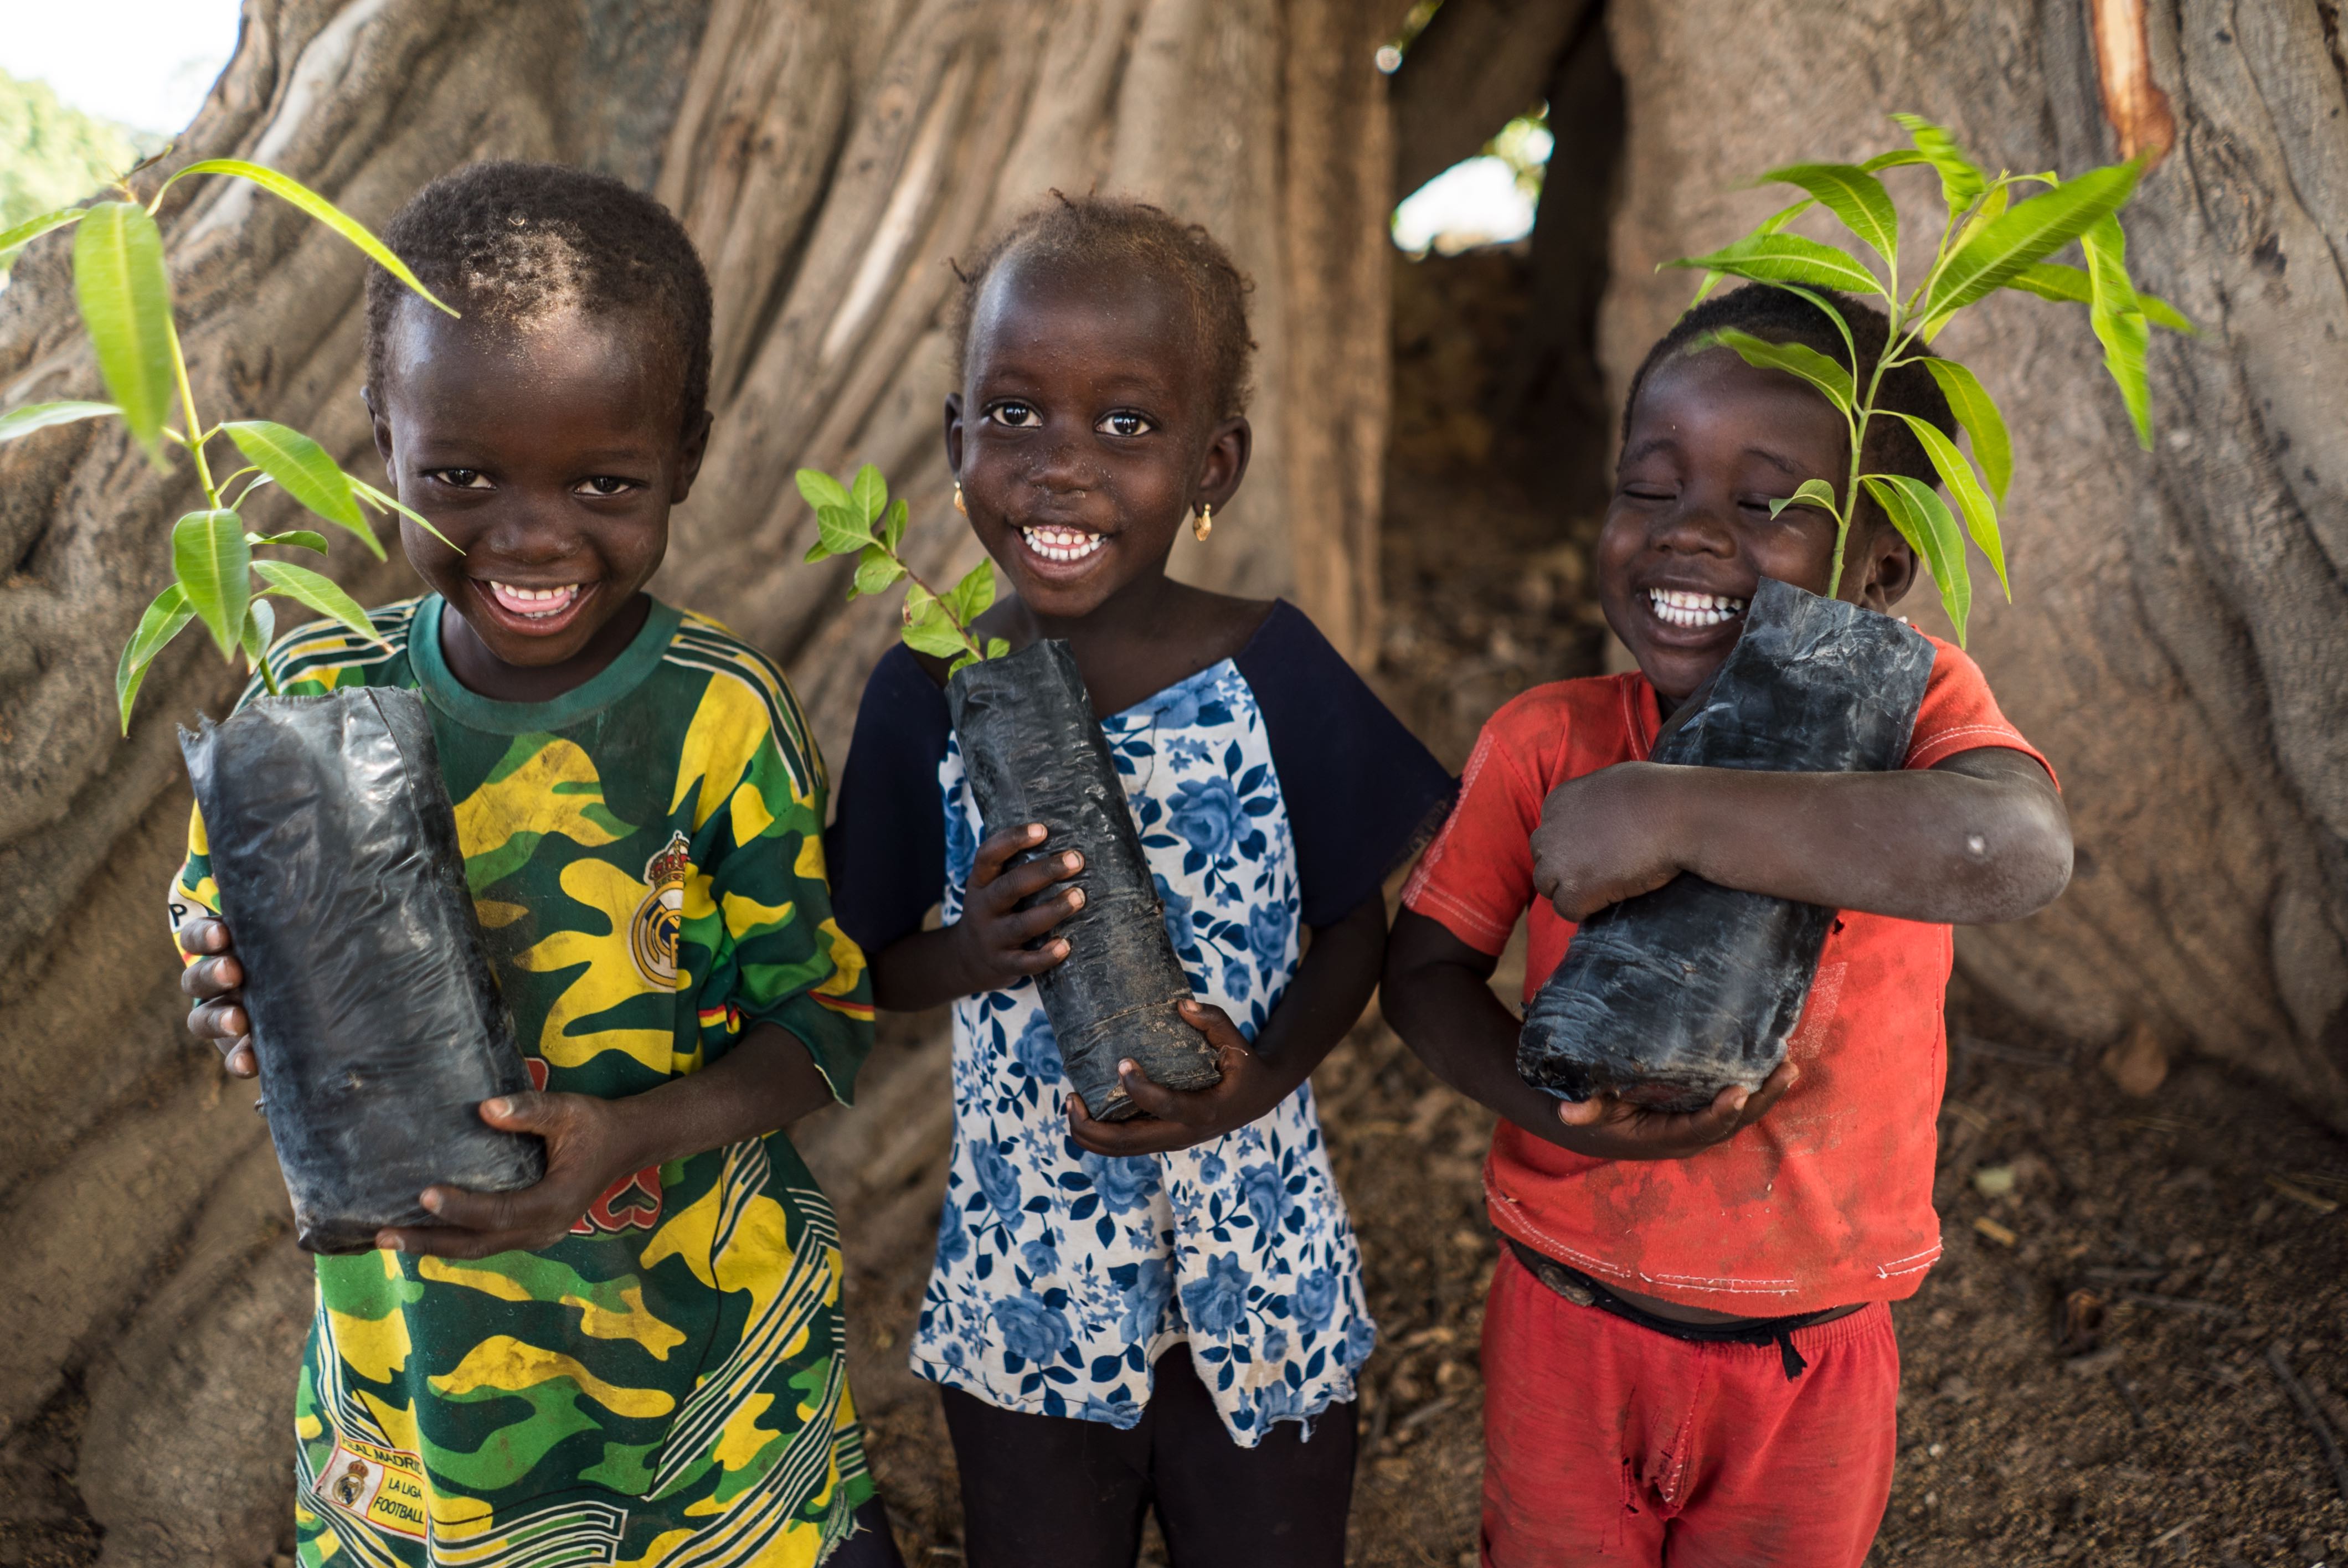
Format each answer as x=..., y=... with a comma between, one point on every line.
x=1015, y=415
x=1124, y=422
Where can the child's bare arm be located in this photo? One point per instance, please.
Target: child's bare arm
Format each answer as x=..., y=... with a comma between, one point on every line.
x=1981, y=837
x=1327, y=994
x=1436, y=999
x=767, y=1081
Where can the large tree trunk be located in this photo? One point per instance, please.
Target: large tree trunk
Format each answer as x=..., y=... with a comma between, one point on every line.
x=2176, y=641
x=829, y=156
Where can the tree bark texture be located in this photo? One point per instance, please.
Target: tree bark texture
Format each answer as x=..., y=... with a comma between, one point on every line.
x=2174, y=643
x=829, y=157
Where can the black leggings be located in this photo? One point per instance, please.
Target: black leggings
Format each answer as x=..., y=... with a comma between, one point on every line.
x=871, y=1546
x=1069, y=1493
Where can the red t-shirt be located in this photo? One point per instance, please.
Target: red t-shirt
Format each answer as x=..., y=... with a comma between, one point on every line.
x=1828, y=1199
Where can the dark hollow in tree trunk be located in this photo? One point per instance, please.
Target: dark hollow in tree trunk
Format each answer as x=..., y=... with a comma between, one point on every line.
x=1034, y=753
x=378, y=1022
x=1671, y=996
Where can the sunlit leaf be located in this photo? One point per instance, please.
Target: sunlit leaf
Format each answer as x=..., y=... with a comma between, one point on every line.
x=31, y=229
x=303, y=471
x=2118, y=320
x=1973, y=503
x=300, y=538
x=820, y=489
x=35, y=416
x=1808, y=493
x=1851, y=194
x=125, y=297
x=842, y=531
x=316, y=205
x=1961, y=178
x=318, y=592
x=1975, y=409
x=259, y=627
x=997, y=646
x=383, y=502
x=1793, y=358
x=893, y=526
x=1924, y=521
x=1897, y=157
x=213, y=563
x=870, y=495
x=164, y=620
x=968, y=598
x=1788, y=259
x=930, y=629
x=2055, y=281
x=876, y=570
x=2031, y=232
x=967, y=659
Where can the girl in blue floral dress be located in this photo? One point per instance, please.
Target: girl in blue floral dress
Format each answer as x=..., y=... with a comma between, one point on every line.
x=1167, y=1311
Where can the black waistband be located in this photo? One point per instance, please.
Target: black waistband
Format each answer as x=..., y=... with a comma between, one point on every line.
x=1584, y=1291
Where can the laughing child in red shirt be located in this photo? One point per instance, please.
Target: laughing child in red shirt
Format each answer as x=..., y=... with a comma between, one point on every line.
x=1687, y=1353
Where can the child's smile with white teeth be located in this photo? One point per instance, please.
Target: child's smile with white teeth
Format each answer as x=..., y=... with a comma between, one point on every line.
x=1679, y=607
x=534, y=603
x=1056, y=542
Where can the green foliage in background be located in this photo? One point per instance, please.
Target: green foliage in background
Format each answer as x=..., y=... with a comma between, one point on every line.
x=1989, y=241
x=50, y=154
x=124, y=295
x=859, y=518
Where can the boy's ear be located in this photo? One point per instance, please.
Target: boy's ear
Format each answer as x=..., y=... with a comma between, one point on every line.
x=382, y=428
x=1226, y=461
x=1890, y=568
x=953, y=432
x=692, y=448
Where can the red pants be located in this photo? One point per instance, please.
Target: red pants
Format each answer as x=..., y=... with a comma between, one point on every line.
x=1607, y=1443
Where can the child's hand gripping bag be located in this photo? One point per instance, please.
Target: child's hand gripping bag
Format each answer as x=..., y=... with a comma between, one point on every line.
x=1669, y=998
x=376, y=1019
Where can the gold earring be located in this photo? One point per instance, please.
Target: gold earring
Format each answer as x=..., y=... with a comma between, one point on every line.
x=958, y=504
x=1203, y=525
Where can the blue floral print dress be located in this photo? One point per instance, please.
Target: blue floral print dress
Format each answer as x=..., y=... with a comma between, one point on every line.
x=1061, y=1275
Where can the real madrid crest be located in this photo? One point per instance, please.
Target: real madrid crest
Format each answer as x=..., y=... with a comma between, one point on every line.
x=651, y=933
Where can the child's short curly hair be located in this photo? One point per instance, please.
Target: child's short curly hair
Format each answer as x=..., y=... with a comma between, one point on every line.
x=509, y=241
x=1087, y=230
x=1781, y=316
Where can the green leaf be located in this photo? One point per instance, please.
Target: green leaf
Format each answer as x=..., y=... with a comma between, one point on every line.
x=842, y=532
x=164, y=620
x=1897, y=157
x=1788, y=259
x=893, y=526
x=303, y=471
x=967, y=659
x=2031, y=232
x=300, y=538
x=32, y=228
x=125, y=297
x=1808, y=493
x=819, y=489
x=2071, y=285
x=1972, y=502
x=318, y=592
x=259, y=627
x=968, y=598
x=1923, y=521
x=1851, y=194
x=1961, y=178
x=2118, y=321
x=387, y=503
x=1794, y=359
x=35, y=416
x=875, y=571
x=316, y=205
x=930, y=630
x=1992, y=450
x=213, y=563
x=997, y=646
x=870, y=495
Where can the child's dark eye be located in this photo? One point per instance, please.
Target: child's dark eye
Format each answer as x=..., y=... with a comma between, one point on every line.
x=461, y=479
x=606, y=484
x=1124, y=424
x=1017, y=416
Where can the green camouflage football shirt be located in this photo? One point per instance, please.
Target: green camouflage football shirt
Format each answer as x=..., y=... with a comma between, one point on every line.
x=665, y=1385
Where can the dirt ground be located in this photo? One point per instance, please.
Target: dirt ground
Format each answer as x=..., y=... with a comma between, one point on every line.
x=2089, y=1374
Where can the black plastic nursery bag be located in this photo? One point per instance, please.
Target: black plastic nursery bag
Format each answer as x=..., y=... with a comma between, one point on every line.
x=1668, y=998
x=376, y=1019
x=1033, y=753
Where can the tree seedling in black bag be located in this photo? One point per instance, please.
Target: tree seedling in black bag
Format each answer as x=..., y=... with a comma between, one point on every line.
x=1035, y=752
x=376, y=1022
x=1670, y=997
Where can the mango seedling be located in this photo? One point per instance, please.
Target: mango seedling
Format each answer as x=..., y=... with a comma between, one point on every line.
x=123, y=293
x=1990, y=239
x=859, y=518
